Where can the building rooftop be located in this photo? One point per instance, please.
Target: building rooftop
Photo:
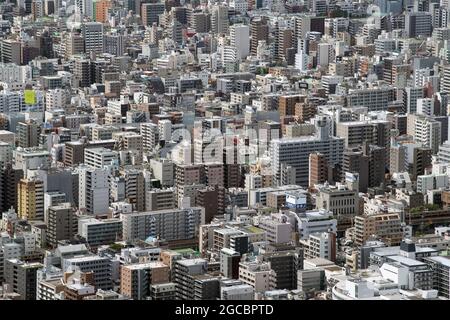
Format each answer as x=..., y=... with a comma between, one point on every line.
x=147, y=265
x=72, y=248
x=444, y=260
x=192, y=262
x=407, y=261
x=251, y=229
x=320, y=262
x=185, y=251
x=86, y=258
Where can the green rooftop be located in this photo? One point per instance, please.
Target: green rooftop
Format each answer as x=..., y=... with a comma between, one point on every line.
x=253, y=229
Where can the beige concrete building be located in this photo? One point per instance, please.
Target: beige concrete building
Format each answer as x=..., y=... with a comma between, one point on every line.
x=256, y=274
x=137, y=278
x=341, y=201
x=30, y=199
x=276, y=199
x=386, y=226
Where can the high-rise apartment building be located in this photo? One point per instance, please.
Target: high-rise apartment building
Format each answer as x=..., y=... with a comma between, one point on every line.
x=159, y=199
x=114, y=43
x=184, y=276
x=374, y=99
x=386, y=226
x=150, y=13
x=418, y=24
x=355, y=161
x=134, y=188
x=27, y=134
x=377, y=164
x=62, y=223
x=287, y=103
x=318, y=169
x=10, y=178
x=445, y=79
x=219, y=19
x=137, y=279
x=284, y=40
x=74, y=153
x=100, y=266
x=321, y=245
x=259, y=32
x=409, y=156
x=101, y=10
x=100, y=157
x=343, y=201
x=213, y=200
x=240, y=39
x=94, y=190
x=163, y=170
x=170, y=224
x=284, y=265
x=201, y=21
x=10, y=51
x=22, y=278
x=286, y=151
x=93, y=37
x=30, y=195
x=82, y=72
x=74, y=44
x=425, y=130
x=99, y=232
x=356, y=132
x=150, y=136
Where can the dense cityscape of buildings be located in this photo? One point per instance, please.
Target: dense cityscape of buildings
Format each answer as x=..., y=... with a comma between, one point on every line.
x=235, y=150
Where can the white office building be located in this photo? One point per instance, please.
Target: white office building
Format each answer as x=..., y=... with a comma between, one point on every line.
x=101, y=266
x=93, y=190
x=432, y=182
x=312, y=222
x=172, y=224
x=240, y=40
x=100, y=232
x=150, y=136
x=286, y=151
x=100, y=157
